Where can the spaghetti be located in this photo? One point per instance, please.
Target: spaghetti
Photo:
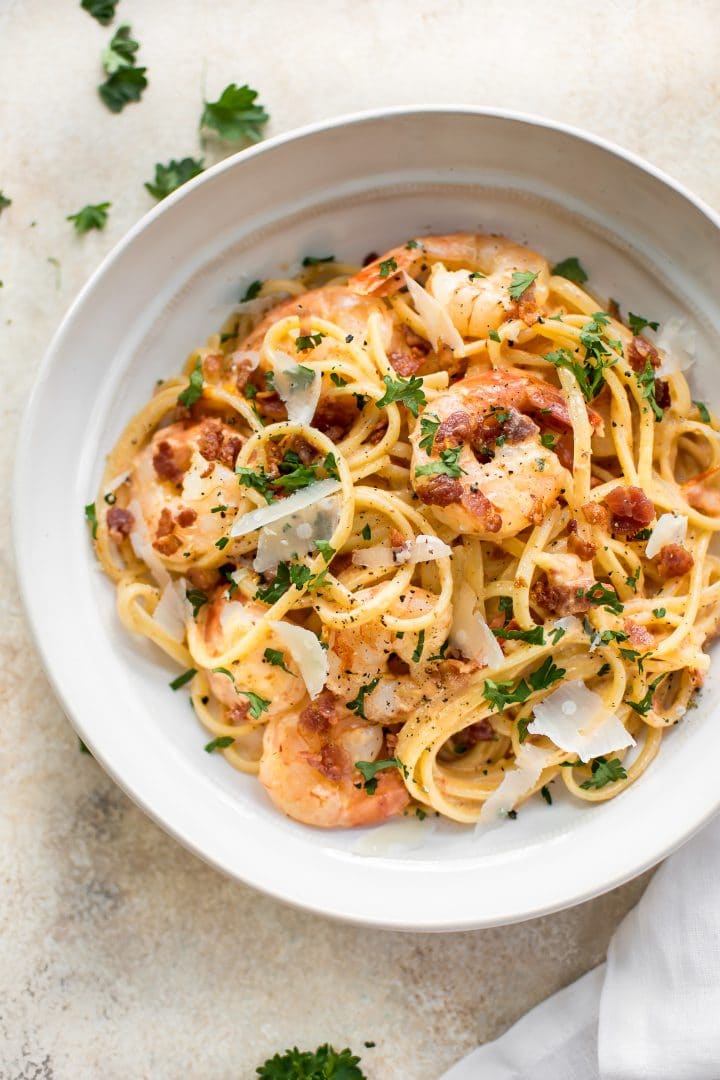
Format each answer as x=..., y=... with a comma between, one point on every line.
x=427, y=535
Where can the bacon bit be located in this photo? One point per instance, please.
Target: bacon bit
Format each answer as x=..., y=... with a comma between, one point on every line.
x=673, y=561
x=582, y=548
x=662, y=393
x=203, y=579
x=407, y=359
x=319, y=716
x=526, y=306
x=480, y=506
x=332, y=762
x=171, y=462
x=558, y=599
x=630, y=508
x=565, y=450
x=270, y=407
x=640, y=637
x=212, y=366
x=391, y=741
x=700, y=496
x=186, y=517
x=596, y=514
x=303, y=449
x=518, y=427
x=440, y=490
x=119, y=522
x=481, y=731
x=454, y=429
x=216, y=444
x=639, y=352
x=165, y=541
x=237, y=714
x=397, y=540
x=335, y=416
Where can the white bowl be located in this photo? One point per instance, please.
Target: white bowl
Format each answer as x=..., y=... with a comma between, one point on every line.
x=348, y=187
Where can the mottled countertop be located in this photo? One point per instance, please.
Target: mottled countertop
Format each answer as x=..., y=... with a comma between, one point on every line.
x=121, y=954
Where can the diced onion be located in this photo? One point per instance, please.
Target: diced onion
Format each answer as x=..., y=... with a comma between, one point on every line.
x=307, y=652
x=424, y=548
x=670, y=529
x=676, y=342
x=529, y=764
x=299, y=392
x=438, y=324
x=172, y=610
x=284, y=508
x=469, y=633
x=295, y=536
x=578, y=721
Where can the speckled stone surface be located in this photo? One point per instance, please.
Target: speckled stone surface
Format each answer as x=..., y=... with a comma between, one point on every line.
x=122, y=955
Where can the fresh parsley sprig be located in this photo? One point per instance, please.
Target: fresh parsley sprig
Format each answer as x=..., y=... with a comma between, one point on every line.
x=357, y=705
x=170, y=177
x=604, y=772
x=407, y=392
x=102, y=10
x=571, y=269
x=125, y=82
x=521, y=282
x=502, y=694
x=194, y=389
x=90, y=217
x=447, y=465
x=370, y=769
x=325, y=1063
x=235, y=116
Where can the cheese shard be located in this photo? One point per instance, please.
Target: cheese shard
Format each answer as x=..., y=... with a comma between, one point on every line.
x=295, y=536
x=307, y=652
x=578, y=722
x=424, y=548
x=516, y=783
x=437, y=322
x=670, y=529
x=299, y=389
x=283, y=508
x=469, y=633
x=676, y=343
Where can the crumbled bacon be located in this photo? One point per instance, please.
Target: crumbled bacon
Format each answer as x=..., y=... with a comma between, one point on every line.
x=639, y=636
x=630, y=508
x=673, y=561
x=335, y=416
x=409, y=357
x=212, y=366
x=481, y=731
x=119, y=522
x=440, y=490
x=596, y=514
x=237, y=714
x=203, y=579
x=397, y=540
x=165, y=540
x=518, y=427
x=662, y=393
x=318, y=717
x=332, y=761
x=186, y=517
x=217, y=444
x=171, y=462
x=454, y=429
x=584, y=549
x=304, y=450
x=639, y=351
x=480, y=507
x=270, y=407
x=559, y=599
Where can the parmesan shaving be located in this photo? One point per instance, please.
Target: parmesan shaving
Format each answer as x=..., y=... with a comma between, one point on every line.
x=578, y=721
x=676, y=343
x=295, y=536
x=172, y=610
x=516, y=783
x=438, y=324
x=299, y=389
x=142, y=547
x=670, y=529
x=470, y=634
x=284, y=508
x=424, y=548
x=307, y=652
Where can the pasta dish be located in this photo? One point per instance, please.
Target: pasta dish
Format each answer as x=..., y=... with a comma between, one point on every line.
x=425, y=536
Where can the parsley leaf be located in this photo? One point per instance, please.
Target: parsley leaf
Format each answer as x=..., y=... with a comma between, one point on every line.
x=184, y=678
x=194, y=389
x=637, y=323
x=308, y=341
x=357, y=705
x=330, y=466
x=91, y=518
x=701, y=408
x=370, y=769
x=252, y=291
x=366, y=532
x=102, y=10
x=326, y=550
x=570, y=269
x=277, y=659
x=447, y=465
x=604, y=772
x=122, y=87
x=522, y=727
x=287, y=574
x=257, y=479
x=387, y=267
x=337, y=380
x=235, y=116
x=258, y=705
x=548, y=440
x=90, y=217
x=325, y=1063
x=417, y=654
x=535, y=636
x=170, y=177
x=494, y=336
x=646, y=382
x=197, y=598
x=121, y=51
x=408, y=392
x=659, y=612
x=294, y=475
x=644, y=706
x=429, y=424
x=546, y=794
x=600, y=595
x=502, y=694
x=221, y=743
x=521, y=282
x=4, y=202
x=316, y=260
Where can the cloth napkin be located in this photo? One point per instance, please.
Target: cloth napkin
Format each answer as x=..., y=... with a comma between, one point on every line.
x=651, y=1012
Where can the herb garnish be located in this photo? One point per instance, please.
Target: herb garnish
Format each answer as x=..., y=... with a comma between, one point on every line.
x=197, y=598
x=221, y=743
x=535, y=636
x=570, y=269
x=408, y=392
x=637, y=323
x=257, y=479
x=494, y=336
x=326, y=550
x=90, y=217
x=325, y=1063
x=125, y=82
x=121, y=51
x=646, y=382
x=546, y=794
x=370, y=769
x=102, y=10
x=170, y=177
x=429, y=424
x=277, y=659
x=521, y=282
x=4, y=202
x=288, y=574
x=387, y=267
x=315, y=260
x=600, y=595
x=303, y=342
x=704, y=412
x=447, y=465
x=357, y=705
x=419, y=647
x=251, y=292
x=644, y=706
x=91, y=518
x=194, y=389
x=366, y=532
x=502, y=694
x=604, y=772
x=235, y=116
x=184, y=678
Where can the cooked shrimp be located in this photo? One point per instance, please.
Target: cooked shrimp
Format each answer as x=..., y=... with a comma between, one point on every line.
x=177, y=479
x=308, y=767
x=703, y=493
x=487, y=472
x=362, y=655
x=470, y=276
x=223, y=621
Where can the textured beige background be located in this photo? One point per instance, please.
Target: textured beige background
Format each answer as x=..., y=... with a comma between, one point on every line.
x=122, y=955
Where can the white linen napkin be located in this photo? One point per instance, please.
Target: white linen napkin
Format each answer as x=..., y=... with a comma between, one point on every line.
x=651, y=1012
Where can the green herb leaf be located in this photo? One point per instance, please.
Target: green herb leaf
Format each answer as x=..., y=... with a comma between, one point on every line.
x=252, y=291
x=91, y=518
x=325, y=1063
x=303, y=342
x=357, y=705
x=337, y=380
x=366, y=532
x=194, y=388
x=257, y=479
x=123, y=87
x=570, y=269
x=235, y=116
x=502, y=694
x=326, y=550
x=600, y=595
x=522, y=727
x=4, y=202
x=287, y=575
x=184, y=678
x=646, y=382
x=121, y=51
x=330, y=466
x=548, y=440
x=258, y=705
x=370, y=769
x=102, y=10
x=604, y=772
x=90, y=217
x=277, y=659
x=644, y=706
x=316, y=260
x=521, y=282
x=494, y=336
x=637, y=323
x=221, y=743
x=419, y=647
x=197, y=598
x=704, y=412
x=411, y=245
x=659, y=612
x=447, y=465
x=546, y=794
x=83, y=748
x=387, y=267
x=170, y=177
x=408, y=392
x=536, y=636
x=429, y=424
x=294, y=474
x=222, y=543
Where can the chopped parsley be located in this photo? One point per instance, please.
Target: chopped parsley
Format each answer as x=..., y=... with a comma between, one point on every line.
x=704, y=412
x=196, y=598
x=224, y=671
x=506, y=606
x=366, y=532
x=411, y=245
x=429, y=424
x=325, y=1063
x=330, y=466
x=637, y=323
x=91, y=518
x=257, y=479
x=277, y=659
x=222, y=543
x=494, y=336
x=570, y=269
x=288, y=574
x=502, y=694
x=337, y=380
x=357, y=705
x=326, y=550
x=102, y=10
x=184, y=678
x=557, y=633
x=419, y=647
x=194, y=389
x=252, y=292
x=522, y=728
x=121, y=51
x=604, y=772
x=521, y=282
x=258, y=705
x=644, y=706
x=370, y=769
x=221, y=743
x=4, y=202
x=646, y=382
x=387, y=267
x=546, y=794
x=600, y=595
x=447, y=465
x=440, y=654
x=170, y=177
x=235, y=116
x=548, y=440
x=303, y=342
x=535, y=636
x=294, y=474
x=90, y=217
x=632, y=581
x=125, y=82
x=659, y=612
x=408, y=392
x=316, y=260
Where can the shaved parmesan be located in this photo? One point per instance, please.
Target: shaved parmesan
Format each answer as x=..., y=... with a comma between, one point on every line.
x=469, y=633
x=676, y=343
x=438, y=324
x=236, y=616
x=295, y=536
x=423, y=548
x=578, y=722
x=516, y=783
x=197, y=486
x=569, y=623
x=172, y=610
x=670, y=529
x=247, y=359
x=298, y=387
x=284, y=508
x=307, y=652
x=143, y=548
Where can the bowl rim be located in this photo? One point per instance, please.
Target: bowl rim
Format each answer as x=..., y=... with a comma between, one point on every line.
x=655, y=853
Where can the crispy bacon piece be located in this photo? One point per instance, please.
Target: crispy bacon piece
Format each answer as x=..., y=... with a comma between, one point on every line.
x=407, y=359
x=270, y=407
x=596, y=514
x=335, y=416
x=584, y=549
x=673, y=561
x=518, y=427
x=630, y=508
x=482, y=731
x=332, y=761
x=662, y=393
x=454, y=429
x=558, y=599
x=237, y=714
x=165, y=540
x=638, y=635
x=319, y=716
x=216, y=444
x=480, y=506
x=639, y=351
x=119, y=522
x=440, y=490
x=171, y=462
x=186, y=517
x=201, y=578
